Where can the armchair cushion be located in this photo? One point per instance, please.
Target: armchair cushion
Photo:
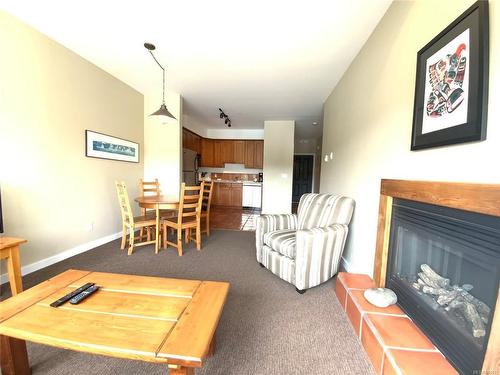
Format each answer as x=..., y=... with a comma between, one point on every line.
x=269, y=223
x=282, y=241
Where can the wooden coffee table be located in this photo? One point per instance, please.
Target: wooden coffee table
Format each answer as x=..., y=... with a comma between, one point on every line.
x=170, y=321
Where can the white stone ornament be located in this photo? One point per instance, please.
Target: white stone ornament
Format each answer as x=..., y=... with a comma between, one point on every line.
x=381, y=297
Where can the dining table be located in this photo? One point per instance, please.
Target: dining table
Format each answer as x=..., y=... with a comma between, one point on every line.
x=158, y=202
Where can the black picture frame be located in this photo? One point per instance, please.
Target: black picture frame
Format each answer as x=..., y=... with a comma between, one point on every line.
x=476, y=19
x=91, y=135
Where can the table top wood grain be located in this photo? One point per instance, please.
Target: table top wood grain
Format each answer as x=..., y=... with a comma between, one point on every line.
x=145, y=318
x=6, y=242
x=162, y=201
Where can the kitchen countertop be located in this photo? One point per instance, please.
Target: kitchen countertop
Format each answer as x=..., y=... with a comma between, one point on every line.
x=239, y=182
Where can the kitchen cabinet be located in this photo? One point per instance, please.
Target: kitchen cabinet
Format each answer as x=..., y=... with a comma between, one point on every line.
x=227, y=152
x=259, y=155
x=223, y=152
x=207, y=153
x=191, y=141
x=249, y=154
x=239, y=152
x=215, y=194
x=224, y=195
x=236, y=195
x=228, y=194
x=254, y=154
x=218, y=152
x=218, y=156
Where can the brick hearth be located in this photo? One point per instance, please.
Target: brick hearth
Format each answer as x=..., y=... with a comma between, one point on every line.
x=394, y=344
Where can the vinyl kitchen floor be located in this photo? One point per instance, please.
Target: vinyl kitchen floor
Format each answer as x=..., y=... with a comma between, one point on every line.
x=233, y=218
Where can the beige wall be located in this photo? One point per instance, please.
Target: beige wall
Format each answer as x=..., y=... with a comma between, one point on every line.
x=278, y=167
x=368, y=120
x=162, y=144
x=51, y=192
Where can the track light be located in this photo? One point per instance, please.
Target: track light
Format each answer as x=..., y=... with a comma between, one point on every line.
x=226, y=118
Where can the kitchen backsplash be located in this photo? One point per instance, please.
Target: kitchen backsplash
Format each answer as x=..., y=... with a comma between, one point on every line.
x=230, y=168
x=231, y=176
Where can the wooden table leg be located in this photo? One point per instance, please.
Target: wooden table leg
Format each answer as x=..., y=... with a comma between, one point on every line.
x=14, y=269
x=180, y=370
x=14, y=356
x=157, y=234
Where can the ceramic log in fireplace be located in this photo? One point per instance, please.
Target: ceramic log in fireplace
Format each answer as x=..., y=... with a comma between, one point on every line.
x=438, y=248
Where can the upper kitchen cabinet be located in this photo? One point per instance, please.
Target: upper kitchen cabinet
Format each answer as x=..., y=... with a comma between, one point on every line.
x=254, y=154
x=227, y=152
x=191, y=141
x=207, y=153
x=259, y=154
x=218, y=157
x=239, y=152
x=223, y=152
x=218, y=152
x=249, y=154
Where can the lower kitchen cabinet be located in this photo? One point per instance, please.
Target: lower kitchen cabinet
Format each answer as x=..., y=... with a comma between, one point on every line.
x=236, y=195
x=228, y=194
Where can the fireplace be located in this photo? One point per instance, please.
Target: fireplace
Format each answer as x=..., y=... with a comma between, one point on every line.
x=444, y=265
x=438, y=248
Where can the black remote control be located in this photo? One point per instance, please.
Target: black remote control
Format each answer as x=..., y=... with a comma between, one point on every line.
x=68, y=296
x=80, y=297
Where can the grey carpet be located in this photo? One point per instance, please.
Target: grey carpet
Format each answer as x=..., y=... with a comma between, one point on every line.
x=266, y=326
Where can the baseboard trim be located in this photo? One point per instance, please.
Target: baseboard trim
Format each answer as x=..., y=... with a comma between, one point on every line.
x=29, y=268
x=345, y=264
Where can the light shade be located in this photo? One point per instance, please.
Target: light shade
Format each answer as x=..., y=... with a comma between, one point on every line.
x=164, y=115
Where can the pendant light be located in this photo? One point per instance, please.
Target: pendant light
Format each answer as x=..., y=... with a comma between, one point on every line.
x=163, y=113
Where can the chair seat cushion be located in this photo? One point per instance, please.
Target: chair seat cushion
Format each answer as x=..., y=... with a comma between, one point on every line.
x=282, y=241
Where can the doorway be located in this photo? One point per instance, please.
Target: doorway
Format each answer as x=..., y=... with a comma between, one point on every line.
x=303, y=171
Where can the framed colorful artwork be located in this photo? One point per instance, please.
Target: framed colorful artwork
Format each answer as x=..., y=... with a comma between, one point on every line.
x=451, y=89
x=103, y=146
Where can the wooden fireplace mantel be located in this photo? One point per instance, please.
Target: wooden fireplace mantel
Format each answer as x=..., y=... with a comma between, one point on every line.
x=480, y=198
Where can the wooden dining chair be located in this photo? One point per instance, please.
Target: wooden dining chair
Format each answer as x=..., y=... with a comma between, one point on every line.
x=132, y=223
x=205, y=206
x=188, y=217
x=149, y=188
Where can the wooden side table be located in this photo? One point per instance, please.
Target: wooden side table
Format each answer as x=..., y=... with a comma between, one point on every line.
x=9, y=249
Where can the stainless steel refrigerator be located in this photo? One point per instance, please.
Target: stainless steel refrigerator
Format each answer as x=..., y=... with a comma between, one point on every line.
x=190, y=162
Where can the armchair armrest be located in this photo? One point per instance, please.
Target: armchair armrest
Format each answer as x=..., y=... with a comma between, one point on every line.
x=318, y=254
x=269, y=223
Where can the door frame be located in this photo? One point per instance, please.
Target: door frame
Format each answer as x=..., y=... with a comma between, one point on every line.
x=314, y=166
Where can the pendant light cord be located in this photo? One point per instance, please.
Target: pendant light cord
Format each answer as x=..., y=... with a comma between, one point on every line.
x=162, y=68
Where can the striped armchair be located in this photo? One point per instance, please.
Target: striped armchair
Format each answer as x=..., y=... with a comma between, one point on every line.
x=305, y=249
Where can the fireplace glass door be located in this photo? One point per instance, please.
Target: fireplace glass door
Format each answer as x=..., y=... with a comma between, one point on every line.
x=444, y=265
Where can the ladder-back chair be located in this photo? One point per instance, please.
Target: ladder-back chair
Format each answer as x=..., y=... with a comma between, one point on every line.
x=147, y=189
x=130, y=222
x=188, y=217
x=205, y=206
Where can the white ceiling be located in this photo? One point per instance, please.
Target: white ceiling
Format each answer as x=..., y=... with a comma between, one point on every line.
x=257, y=60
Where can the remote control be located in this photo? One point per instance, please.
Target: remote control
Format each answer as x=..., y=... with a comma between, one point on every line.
x=80, y=297
x=68, y=296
